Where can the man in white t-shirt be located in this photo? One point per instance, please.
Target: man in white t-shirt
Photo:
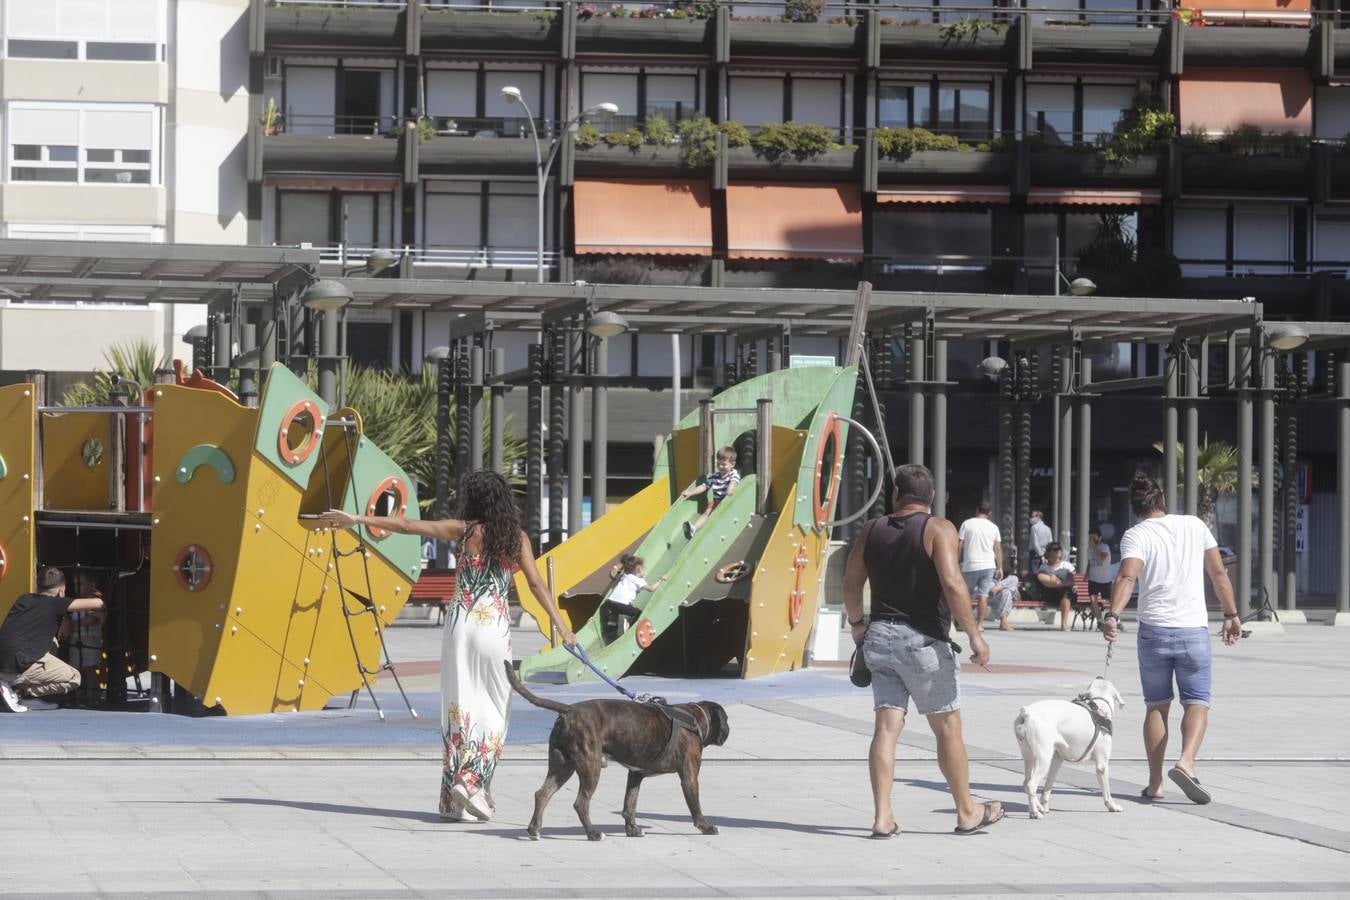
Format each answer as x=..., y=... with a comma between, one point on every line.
x=981, y=550
x=1169, y=556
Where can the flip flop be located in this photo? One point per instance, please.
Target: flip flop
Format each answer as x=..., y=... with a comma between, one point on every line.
x=988, y=819
x=885, y=835
x=1190, y=786
x=1144, y=794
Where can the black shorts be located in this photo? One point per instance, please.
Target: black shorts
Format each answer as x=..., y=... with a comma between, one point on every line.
x=1100, y=588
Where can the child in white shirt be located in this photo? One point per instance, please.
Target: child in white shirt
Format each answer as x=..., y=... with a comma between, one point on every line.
x=622, y=597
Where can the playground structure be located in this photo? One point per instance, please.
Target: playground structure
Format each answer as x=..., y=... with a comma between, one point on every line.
x=746, y=586
x=186, y=513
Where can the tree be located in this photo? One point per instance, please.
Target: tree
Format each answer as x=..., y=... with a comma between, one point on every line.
x=1216, y=468
x=136, y=360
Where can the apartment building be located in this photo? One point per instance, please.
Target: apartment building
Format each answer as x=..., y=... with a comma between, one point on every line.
x=123, y=120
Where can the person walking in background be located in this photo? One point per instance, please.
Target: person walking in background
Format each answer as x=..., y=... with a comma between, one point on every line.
x=910, y=560
x=1039, y=538
x=476, y=642
x=1168, y=557
x=981, y=551
x=1098, y=573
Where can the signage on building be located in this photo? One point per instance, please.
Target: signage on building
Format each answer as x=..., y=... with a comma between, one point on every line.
x=801, y=362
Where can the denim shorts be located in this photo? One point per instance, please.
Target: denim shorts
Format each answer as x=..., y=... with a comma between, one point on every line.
x=979, y=582
x=906, y=663
x=1183, y=653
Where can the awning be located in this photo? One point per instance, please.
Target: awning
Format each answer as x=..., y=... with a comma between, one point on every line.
x=1095, y=197
x=935, y=193
x=332, y=183
x=1215, y=100
x=669, y=218
x=794, y=221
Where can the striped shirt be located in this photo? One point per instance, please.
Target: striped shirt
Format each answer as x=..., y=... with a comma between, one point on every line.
x=718, y=484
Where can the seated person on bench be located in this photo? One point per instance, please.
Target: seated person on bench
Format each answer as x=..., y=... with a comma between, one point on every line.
x=622, y=597
x=1056, y=580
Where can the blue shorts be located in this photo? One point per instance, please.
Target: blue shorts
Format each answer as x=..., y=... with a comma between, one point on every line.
x=1180, y=653
x=979, y=582
x=906, y=663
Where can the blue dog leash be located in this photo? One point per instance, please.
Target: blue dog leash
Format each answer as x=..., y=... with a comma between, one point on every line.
x=580, y=654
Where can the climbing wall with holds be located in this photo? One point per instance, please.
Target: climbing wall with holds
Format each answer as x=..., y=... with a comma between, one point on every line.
x=18, y=410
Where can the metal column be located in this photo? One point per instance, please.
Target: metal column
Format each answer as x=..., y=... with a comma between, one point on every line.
x=1191, y=448
x=1083, y=504
x=476, y=409
x=1343, y=483
x=1064, y=472
x=1007, y=471
x=462, y=404
x=1023, y=463
x=248, y=375
x=600, y=430
x=220, y=357
x=1265, y=513
x=707, y=447
x=576, y=436
x=445, y=453
x=267, y=338
x=497, y=414
x=763, y=454
x=328, y=356
x=557, y=424
x=917, y=374
x=1244, y=478
x=1170, y=431
x=939, y=429
x=534, y=442
x=1289, y=520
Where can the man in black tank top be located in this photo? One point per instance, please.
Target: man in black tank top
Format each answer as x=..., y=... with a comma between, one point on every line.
x=910, y=560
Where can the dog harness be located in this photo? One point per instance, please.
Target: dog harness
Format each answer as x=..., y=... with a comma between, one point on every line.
x=680, y=721
x=1101, y=722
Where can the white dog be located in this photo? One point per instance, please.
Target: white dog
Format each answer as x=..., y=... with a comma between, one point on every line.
x=1051, y=732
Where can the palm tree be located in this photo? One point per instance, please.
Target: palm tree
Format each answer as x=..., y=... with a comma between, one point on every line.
x=1216, y=468
x=136, y=360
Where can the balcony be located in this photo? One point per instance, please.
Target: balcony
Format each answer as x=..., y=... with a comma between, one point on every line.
x=1248, y=161
x=530, y=26
x=494, y=263
x=339, y=144
x=334, y=23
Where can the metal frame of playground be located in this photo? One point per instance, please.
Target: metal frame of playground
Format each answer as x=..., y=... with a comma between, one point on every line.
x=1266, y=377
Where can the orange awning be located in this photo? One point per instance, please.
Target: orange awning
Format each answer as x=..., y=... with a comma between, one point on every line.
x=941, y=193
x=794, y=221
x=1215, y=100
x=630, y=215
x=1090, y=197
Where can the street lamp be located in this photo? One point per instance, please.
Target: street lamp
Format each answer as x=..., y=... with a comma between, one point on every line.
x=606, y=324
x=330, y=298
x=542, y=163
x=1287, y=337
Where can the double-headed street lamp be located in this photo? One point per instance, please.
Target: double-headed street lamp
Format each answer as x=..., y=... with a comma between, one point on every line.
x=543, y=163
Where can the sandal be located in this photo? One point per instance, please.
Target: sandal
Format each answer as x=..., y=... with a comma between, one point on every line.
x=885, y=835
x=989, y=818
x=1190, y=786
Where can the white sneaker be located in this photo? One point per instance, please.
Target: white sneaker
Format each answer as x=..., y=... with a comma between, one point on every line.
x=475, y=804
x=10, y=700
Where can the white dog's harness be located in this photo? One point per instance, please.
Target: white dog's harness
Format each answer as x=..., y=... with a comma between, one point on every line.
x=1101, y=722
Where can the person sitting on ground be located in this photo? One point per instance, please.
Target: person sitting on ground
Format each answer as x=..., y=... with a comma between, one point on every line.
x=1098, y=573
x=718, y=485
x=1056, y=580
x=622, y=598
x=27, y=638
x=1001, y=597
x=981, y=551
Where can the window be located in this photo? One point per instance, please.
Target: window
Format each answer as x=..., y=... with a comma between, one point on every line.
x=95, y=144
x=469, y=102
x=1331, y=241
x=113, y=30
x=1069, y=112
x=471, y=223
x=933, y=241
x=360, y=219
x=964, y=109
x=1074, y=230
x=1050, y=112
x=755, y=100
x=338, y=99
x=1331, y=112
x=1233, y=240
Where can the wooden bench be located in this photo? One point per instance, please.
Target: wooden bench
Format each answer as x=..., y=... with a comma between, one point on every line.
x=435, y=586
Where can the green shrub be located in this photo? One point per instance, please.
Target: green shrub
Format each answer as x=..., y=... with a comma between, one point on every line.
x=737, y=134
x=586, y=137
x=970, y=28
x=1145, y=128
x=632, y=139
x=902, y=143
x=698, y=141
x=657, y=131
x=802, y=141
x=804, y=10
x=1244, y=140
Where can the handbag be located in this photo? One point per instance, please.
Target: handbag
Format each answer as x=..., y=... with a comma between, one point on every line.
x=858, y=673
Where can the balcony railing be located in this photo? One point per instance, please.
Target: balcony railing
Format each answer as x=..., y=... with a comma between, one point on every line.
x=306, y=123
x=394, y=5
x=491, y=126
x=352, y=256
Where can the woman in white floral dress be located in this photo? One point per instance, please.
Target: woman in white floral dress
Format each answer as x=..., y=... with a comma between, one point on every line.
x=475, y=693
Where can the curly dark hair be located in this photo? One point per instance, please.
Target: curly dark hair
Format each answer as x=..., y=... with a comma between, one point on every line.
x=485, y=497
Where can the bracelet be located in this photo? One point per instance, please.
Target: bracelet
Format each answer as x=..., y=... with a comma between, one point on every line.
x=861, y=620
x=1232, y=615
x=1110, y=615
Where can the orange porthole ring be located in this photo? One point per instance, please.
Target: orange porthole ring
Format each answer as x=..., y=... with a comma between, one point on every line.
x=646, y=633
x=192, y=568
x=732, y=573
x=819, y=503
x=3, y=562
x=392, y=483
x=294, y=457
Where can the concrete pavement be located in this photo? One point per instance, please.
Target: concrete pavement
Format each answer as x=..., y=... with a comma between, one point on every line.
x=339, y=805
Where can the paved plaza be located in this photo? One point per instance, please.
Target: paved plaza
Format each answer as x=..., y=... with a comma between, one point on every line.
x=340, y=805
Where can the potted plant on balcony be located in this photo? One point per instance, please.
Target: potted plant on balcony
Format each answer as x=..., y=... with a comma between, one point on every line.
x=271, y=118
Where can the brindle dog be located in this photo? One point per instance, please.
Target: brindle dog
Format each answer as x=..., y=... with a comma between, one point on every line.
x=635, y=735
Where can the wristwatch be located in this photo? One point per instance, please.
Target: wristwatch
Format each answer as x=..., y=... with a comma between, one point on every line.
x=860, y=621
x=1110, y=615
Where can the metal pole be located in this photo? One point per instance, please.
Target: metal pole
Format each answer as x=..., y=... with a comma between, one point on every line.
x=1343, y=483
x=1289, y=521
x=917, y=373
x=1064, y=525
x=763, y=454
x=220, y=334
x=1265, y=514
x=1244, y=478
x=534, y=442
x=248, y=376
x=328, y=357
x=497, y=414
x=1023, y=469
x=444, y=454
x=706, y=447
x=557, y=423
x=462, y=408
x=1191, y=480
x=475, y=409
x=940, y=429
x=267, y=338
x=675, y=368
x=600, y=430
x=576, y=440
x=1084, y=502
x=1170, y=432
x=117, y=454
x=1007, y=473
